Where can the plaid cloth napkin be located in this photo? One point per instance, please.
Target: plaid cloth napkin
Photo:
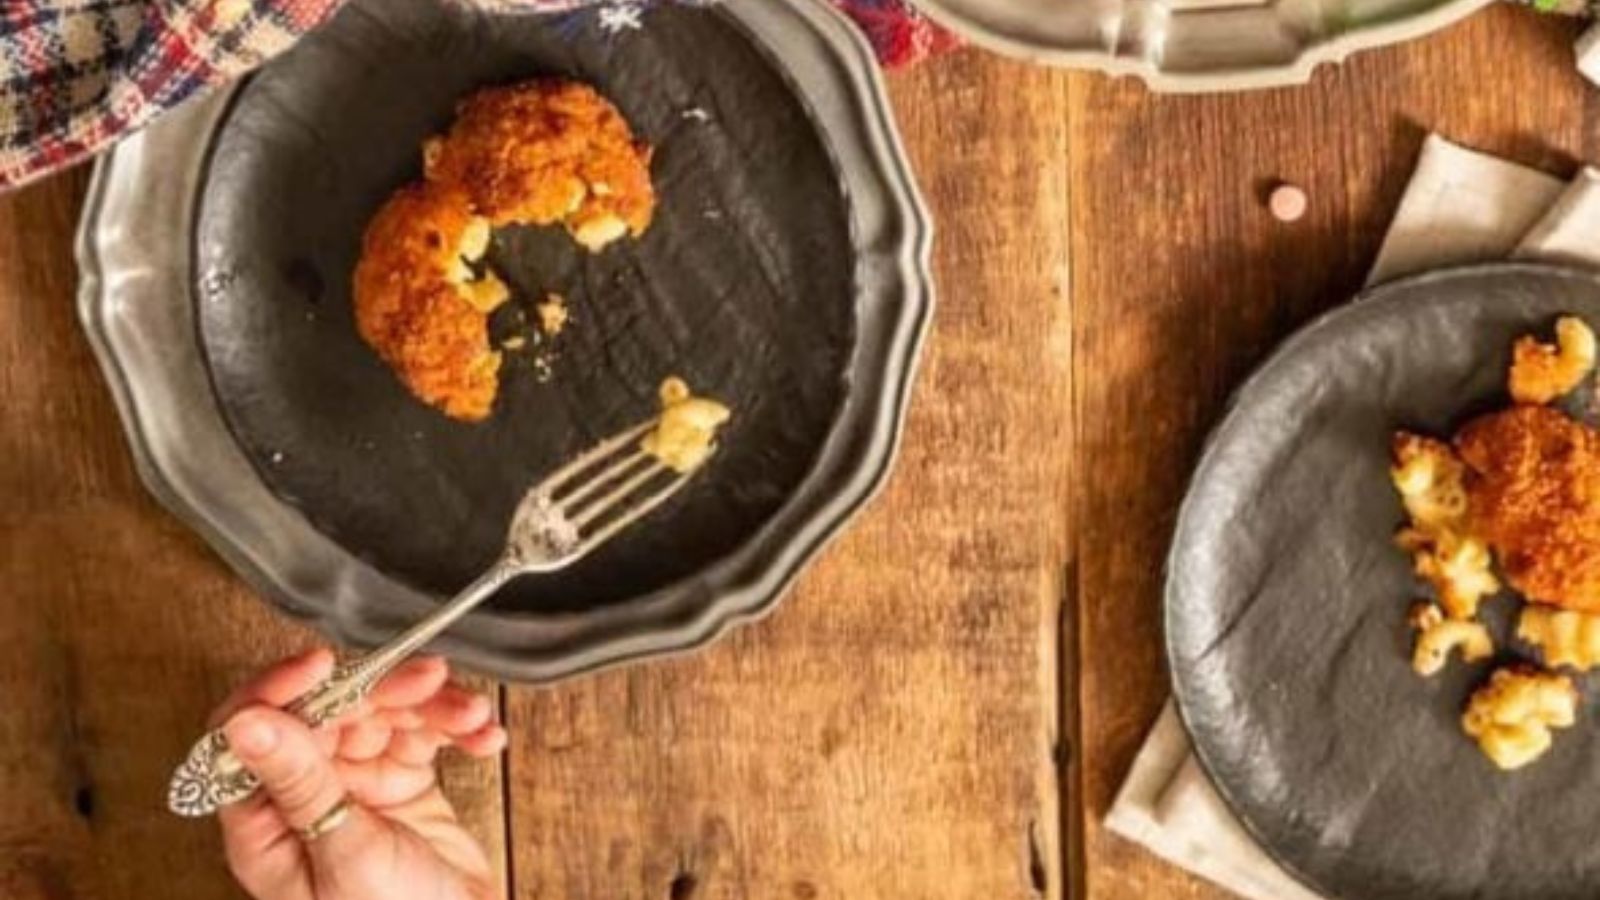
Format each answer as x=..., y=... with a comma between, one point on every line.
x=77, y=74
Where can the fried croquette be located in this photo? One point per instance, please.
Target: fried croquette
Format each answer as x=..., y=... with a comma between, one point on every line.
x=418, y=305
x=1540, y=372
x=544, y=153
x=1533, y=493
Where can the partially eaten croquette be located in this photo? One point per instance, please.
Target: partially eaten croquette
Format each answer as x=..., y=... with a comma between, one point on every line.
x=541, y=153
x=418, y=306
x=548, y=152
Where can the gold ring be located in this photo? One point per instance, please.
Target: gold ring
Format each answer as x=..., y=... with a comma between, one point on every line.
x=329, y=821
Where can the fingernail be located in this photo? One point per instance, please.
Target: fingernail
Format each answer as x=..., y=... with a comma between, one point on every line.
x=251, y=735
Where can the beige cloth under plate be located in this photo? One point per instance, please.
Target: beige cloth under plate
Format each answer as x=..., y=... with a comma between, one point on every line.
x=1460, y=207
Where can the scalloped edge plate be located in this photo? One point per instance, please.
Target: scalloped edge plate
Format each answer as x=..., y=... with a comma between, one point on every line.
x=136, y=304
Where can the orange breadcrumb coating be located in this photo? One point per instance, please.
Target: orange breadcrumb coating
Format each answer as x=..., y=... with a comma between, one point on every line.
x=1533, y=492
x=416, y=306
x=1541, y=373
x=548, y=152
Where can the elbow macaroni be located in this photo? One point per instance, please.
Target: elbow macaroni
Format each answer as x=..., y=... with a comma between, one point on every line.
x=1564, y=637
x=684, y=438
x=1437, y=636
x=1431, y=482
x=1543, y=372
x=1512, y=716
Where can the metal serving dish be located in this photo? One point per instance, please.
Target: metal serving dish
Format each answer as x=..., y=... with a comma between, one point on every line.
x=1194, y=45
x=216, y=249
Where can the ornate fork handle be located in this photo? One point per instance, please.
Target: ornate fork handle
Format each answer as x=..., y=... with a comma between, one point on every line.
x=212, y=777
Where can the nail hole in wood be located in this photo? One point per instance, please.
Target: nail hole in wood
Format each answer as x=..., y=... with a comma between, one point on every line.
x=1037, y=876
x=83, y=802
x=683, y=887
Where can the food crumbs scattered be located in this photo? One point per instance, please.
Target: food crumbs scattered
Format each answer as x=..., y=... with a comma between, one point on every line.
x=553, y=314
x=1288, y=203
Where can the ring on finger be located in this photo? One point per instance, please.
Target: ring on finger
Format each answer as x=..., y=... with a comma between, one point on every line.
x=328, y=822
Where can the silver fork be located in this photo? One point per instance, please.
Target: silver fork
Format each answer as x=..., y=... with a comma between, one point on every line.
x=561, y=520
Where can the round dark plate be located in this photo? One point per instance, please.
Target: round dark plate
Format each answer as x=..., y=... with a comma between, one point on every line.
x=1286, y=607
x=786, y=273
x=744, y=285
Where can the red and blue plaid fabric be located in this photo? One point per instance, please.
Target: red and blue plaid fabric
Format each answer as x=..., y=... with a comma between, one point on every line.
x=77, y=74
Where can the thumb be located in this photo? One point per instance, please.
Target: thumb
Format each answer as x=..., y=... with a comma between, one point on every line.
x=282, y=752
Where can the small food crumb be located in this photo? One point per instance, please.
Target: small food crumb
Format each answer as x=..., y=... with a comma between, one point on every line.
x=277, y=457
x=684, y=438
x=516, y=342
x=696, y=114
x=1288, y=203
x=553, y=314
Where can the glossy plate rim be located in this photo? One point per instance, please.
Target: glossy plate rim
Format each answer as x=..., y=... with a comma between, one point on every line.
x=1096, y=57
x=133, y=253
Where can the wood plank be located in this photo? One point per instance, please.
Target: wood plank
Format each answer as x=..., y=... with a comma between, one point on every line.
x=889, y=731
x=1182, y=282
x=118, y=629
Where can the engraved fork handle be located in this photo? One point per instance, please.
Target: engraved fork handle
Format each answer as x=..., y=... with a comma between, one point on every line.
x=212, y=777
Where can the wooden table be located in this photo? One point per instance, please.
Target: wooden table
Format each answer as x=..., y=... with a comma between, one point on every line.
x=946, y=705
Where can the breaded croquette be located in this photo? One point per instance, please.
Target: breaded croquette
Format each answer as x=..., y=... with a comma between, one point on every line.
x=417, y=304
x=1533, y=493
x=544, y=153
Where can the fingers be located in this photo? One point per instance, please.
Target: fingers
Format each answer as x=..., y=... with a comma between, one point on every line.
x=456, y=711
x=414, y=748
x=250, y=828
x=364, y=739
x=490, y=740
x=383, y=782
x=282, y=752
x=411, y=684
x=279, y=685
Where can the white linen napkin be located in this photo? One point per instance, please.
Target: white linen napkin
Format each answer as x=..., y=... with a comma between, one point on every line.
x=1460, y=207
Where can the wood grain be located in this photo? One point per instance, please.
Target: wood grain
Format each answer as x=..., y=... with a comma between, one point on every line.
x=889, y=732
x=119, y=630
x=1182, y=282
x=899, y=728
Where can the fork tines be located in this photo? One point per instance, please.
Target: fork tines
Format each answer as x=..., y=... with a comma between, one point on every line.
x=611, y=486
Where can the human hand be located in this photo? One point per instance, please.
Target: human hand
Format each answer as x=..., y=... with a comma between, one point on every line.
x=400, y=839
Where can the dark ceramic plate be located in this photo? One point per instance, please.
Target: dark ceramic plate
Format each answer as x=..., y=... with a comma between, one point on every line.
x=744, y=285
x=1286, y=613
x=785, y=274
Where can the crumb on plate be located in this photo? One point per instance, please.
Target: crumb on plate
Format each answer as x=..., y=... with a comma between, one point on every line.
x=553, y=314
